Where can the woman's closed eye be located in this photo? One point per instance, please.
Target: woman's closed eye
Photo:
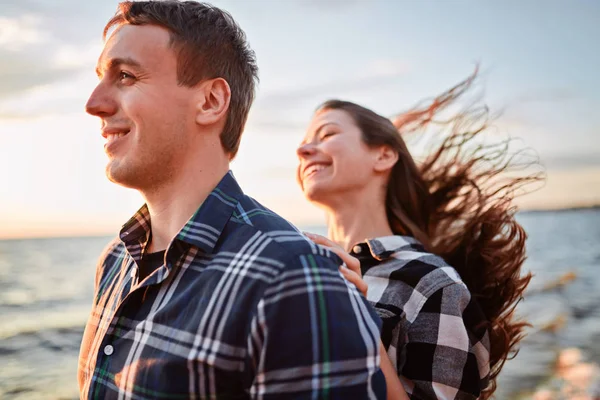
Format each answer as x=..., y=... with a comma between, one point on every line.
x=326, y=135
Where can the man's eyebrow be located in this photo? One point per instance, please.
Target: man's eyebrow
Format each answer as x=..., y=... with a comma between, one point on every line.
x=115, y=62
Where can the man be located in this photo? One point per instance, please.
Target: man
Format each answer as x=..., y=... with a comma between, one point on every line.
x=205, y=293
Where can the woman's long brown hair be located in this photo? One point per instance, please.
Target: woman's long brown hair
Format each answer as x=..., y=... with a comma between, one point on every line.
x=459, y=203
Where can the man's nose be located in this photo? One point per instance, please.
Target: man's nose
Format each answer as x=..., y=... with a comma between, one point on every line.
x=101, y=102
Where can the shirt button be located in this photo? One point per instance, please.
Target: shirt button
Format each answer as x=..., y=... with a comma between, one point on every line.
x=357, y=249
x=108, y=349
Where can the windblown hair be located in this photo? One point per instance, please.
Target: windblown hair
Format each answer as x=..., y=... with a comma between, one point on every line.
x=208, y=44
x=458, y=203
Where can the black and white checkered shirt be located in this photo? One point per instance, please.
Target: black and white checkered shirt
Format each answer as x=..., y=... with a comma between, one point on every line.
x=434, y=331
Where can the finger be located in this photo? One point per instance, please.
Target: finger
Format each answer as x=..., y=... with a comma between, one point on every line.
x=322, y=240
x=356, y=280
x=351, y=262
x=360, y=284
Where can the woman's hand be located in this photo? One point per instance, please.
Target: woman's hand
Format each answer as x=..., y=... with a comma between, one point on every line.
x=351, y=267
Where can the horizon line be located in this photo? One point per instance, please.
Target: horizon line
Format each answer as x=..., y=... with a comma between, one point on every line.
x=101, y=234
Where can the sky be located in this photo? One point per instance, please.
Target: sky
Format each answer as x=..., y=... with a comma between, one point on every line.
x=539, y=67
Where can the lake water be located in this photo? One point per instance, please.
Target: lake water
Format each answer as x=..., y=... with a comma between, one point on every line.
x=46, y=291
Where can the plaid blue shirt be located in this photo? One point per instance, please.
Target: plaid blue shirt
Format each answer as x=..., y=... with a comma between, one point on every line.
x=244, y=307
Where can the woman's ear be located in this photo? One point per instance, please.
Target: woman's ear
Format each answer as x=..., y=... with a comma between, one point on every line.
x=386, y=159
x=212, y=102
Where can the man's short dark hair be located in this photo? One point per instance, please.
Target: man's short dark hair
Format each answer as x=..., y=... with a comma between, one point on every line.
x=208, y=44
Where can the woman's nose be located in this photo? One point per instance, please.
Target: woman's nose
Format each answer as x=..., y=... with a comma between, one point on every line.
x=306, y=150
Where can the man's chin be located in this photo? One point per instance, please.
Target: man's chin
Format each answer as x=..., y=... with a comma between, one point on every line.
x=119, y=176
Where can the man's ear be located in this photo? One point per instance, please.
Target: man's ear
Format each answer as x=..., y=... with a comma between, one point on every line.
x=386, y=159
x=212, y=101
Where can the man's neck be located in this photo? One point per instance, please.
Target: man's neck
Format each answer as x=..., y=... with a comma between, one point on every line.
x=357, y=218
x=171, y=205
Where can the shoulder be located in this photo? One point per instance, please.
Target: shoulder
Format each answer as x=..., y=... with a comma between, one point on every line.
x=113, y=252
x=408, y=276
x=114, y=249
x=283, y=241
x=404, y=259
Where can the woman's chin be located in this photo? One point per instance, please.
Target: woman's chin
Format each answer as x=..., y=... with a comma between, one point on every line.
x=316, y=193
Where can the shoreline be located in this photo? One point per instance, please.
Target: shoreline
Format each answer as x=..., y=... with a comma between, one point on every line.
x=100, y=235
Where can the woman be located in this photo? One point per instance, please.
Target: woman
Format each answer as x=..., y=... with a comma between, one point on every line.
x=437, y=241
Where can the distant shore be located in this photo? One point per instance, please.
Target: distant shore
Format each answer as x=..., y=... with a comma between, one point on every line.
x=308, y=227
x=562, y=209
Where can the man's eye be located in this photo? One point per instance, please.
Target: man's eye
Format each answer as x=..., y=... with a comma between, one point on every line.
x=124, y=75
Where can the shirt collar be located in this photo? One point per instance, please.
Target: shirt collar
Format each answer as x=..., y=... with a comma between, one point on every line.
x=383, y=247
x=206, y=225
x=138, y=226
x=204, y=228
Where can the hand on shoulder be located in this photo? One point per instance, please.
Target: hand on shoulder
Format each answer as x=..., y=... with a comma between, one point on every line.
x=350, y=269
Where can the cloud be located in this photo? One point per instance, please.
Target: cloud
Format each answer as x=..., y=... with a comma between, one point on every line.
x=17, y=33
x=39, y=55
x=20, y=72
x=287, y=109
x=59, y=97
x=69, y=21
x=386, y=68
x=26, y=53
x=333, y=5
x=548, y=95
x=573, y=187
x=374, y=75
x=43, y=43
x=572, y=161
x=83, y=57
x=275, y=125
